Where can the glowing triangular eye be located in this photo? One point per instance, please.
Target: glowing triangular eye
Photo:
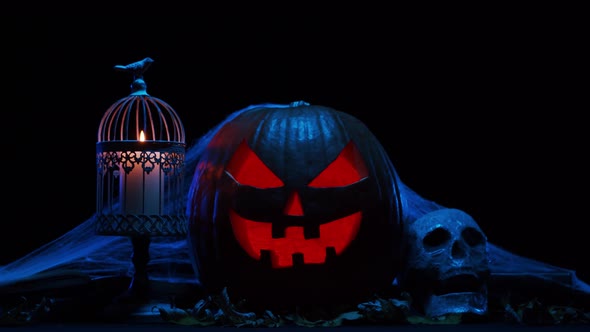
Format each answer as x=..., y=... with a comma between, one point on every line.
x=346, y=169
x=246, y=168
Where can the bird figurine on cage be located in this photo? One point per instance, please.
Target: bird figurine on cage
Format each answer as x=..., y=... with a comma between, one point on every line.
x=136, y=68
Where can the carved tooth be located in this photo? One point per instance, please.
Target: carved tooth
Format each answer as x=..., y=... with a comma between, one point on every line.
x=266, y=258
x=297, y=259
x=278, y=230
x=311, y=231
x=330, y=254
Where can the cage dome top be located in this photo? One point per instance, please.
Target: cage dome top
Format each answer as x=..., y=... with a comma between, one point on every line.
x=139, y=116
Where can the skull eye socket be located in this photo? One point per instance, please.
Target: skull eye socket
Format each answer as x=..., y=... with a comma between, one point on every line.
x=472, y=236
x=436, y=238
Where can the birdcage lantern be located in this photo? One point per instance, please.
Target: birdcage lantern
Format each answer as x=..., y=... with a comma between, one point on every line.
x=140, y=155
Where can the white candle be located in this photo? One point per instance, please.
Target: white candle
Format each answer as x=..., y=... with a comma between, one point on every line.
x=140, y=191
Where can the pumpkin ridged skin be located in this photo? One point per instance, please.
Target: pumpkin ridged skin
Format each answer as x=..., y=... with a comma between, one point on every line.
x=296, y=142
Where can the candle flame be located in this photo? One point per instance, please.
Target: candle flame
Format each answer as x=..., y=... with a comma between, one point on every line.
x=141, y=136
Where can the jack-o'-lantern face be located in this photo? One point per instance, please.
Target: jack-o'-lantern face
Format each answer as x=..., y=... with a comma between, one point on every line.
x=298, y=221
x=292, y=201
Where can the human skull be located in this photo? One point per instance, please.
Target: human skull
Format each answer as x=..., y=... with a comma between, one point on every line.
x=447, y=266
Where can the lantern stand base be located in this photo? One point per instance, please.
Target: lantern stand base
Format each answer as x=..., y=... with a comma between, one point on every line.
x=139, y=289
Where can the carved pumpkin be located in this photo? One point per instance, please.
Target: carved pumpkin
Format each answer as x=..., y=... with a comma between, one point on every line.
x=294, y=204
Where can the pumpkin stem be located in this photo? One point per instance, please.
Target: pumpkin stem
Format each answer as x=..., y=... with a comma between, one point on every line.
x=299, y=103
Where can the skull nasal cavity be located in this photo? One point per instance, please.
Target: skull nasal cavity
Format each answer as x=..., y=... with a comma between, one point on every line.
x=293, y=206
x=458, y=250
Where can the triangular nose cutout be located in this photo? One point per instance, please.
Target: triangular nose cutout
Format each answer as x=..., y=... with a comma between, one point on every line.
x=293, y=206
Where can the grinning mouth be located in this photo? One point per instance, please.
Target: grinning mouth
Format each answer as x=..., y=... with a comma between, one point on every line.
x=462, y=283
x=294, y=248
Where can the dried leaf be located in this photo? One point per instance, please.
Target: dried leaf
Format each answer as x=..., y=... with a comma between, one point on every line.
x=511, y=315
x=218, y=309
x=182, y=317
x=22, y=313
x=440, y=320
x=300, y=320
x=534, y=312
x=568, y=315
x=385, y=310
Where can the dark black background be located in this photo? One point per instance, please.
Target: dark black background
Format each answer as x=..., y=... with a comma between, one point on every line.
x=480, y=109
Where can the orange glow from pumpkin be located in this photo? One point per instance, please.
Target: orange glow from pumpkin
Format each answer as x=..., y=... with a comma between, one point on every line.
x=248, y=169
x=346, y=169
x=255, y=236
x=293, y=206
